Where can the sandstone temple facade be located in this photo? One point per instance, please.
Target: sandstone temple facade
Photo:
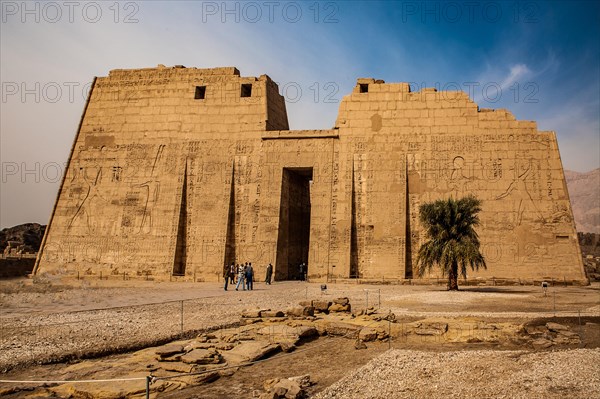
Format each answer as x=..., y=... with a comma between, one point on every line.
x=176, y=171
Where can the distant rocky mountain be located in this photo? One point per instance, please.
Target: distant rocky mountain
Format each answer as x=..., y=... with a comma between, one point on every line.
x=27, y=237
x=584, y=190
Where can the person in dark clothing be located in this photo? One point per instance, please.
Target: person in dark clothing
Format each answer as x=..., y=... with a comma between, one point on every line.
x=226, y=276
x=269, y=274
x=250, y=277
x=232, y=270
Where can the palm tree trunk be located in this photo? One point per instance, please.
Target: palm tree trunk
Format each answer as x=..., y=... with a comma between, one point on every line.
x=453, y=278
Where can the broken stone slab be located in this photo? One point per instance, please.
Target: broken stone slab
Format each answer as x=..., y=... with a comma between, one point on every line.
x=321, y=306
x=250, y=351
x=367, y=334
x=169, y=350
x=555, y=327
x=341, y=301
x=336, y=307
x=202, y=356
x=253, y=313
x=199, y=379
x=271, y=313
x=177, y=367
x=332, y=327
x=305, y=303
x=541, y=343
x=301, y=311
x=568, y=334
x=225, y=346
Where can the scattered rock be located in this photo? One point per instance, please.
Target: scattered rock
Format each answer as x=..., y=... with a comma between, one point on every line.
x=302, y=380
x=288, y=389
x=359, y=345
x=321, y=306
x=341, y=301
x=367, y=334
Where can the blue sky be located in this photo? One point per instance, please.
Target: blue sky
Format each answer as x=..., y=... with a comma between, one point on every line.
x=540, y=60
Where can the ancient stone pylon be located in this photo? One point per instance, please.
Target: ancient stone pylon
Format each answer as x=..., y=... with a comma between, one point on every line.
x=177, y=171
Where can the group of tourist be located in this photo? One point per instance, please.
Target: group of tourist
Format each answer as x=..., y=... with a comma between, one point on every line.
x=244, y=272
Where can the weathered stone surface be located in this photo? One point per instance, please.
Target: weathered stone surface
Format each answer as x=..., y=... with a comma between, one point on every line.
x=200, y=379
x=430, y=328
x=541, y=343
x=250, y=351
x=341, y=301
x=291, y=389
x=321, y=306
x=220, y=138
x=300, y=311
x=556, y=327
x=169, y=350
x=272, y=313
x=253, y=313
x=367, y=334
x=202, y=356
x=333, y=327
x=176, y=367
x=336, y=307
x=303, y=381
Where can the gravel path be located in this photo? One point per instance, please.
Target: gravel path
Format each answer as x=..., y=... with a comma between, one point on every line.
x=473, y=374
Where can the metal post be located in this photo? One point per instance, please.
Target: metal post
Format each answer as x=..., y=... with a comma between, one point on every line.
x=182, y=317
x=148, y=381
x=390, y=330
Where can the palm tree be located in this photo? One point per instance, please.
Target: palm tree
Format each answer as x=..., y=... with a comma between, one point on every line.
x=452, y=240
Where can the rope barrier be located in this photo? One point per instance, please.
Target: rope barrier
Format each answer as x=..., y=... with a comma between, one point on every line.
x=71, y=381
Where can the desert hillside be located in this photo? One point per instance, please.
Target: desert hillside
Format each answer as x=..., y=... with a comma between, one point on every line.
x=584, y=190
x=28, y=235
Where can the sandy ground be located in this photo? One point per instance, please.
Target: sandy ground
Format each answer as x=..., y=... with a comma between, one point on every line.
x=55, y=320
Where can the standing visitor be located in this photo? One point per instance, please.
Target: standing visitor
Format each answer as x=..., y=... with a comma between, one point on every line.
x=240, y=277
x=269, y=274
x=250, y=277
x=232, y=271
x=226, y=276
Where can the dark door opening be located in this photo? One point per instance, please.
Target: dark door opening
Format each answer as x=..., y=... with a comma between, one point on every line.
x=181, y=243
x=294, y=224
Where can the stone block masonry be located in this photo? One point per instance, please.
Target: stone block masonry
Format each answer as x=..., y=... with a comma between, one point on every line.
x=178, y=171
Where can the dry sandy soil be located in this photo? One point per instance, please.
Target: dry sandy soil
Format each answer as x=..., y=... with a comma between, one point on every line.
x=47, y=322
